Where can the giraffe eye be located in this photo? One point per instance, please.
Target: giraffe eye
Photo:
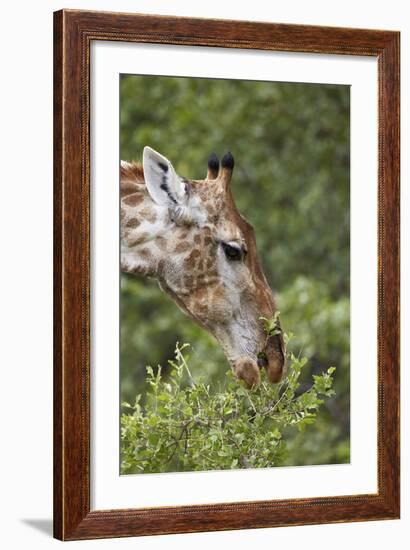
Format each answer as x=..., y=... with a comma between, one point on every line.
x=233, y=252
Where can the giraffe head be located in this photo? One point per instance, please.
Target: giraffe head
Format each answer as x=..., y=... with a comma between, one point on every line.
x=190, y=236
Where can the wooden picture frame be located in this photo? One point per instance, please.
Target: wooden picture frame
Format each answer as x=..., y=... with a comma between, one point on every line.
x=74, y=32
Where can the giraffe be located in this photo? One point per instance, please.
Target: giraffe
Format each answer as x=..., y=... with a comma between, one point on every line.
x=189, y=235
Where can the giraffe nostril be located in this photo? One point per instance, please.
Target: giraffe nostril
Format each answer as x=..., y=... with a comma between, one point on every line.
x=262, y=361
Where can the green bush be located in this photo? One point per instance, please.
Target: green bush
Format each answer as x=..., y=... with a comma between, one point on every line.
x=185, y=425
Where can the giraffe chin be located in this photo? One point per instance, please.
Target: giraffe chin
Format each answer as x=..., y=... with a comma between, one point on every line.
x=247, y=369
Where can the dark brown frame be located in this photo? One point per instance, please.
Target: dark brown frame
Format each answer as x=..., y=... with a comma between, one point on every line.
x=73, y=33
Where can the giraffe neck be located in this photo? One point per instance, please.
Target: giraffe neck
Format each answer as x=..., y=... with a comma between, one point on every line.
x=144, y=225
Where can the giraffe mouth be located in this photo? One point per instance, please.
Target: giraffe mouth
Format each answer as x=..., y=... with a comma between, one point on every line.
x=273, y=358
x=262, y=360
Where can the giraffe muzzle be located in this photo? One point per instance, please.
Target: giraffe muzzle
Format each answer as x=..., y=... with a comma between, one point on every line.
x=272, y=359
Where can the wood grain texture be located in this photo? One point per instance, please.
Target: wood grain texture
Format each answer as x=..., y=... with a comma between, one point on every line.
x=58, y=278
x=73, y=33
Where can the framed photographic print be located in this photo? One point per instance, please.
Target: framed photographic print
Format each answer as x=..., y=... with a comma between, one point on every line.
x=226, y=288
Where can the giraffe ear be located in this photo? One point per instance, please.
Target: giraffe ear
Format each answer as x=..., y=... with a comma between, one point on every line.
x=163, y=184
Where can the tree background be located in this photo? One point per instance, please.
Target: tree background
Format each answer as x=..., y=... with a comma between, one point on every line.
x=291, y=147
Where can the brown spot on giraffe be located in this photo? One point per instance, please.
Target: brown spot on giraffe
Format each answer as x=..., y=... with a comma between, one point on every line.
x=145, y=253
x=181, y=233
x=182, y=246
x=210, y=266
x=133, y=200
x=161, y=242
x=192, y=259
x=148, y=214
x=132, y=223
x=140, y=238
x=188, y=281
x=203, y=309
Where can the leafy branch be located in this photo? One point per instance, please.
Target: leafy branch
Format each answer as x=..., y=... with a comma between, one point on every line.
x=184, y=425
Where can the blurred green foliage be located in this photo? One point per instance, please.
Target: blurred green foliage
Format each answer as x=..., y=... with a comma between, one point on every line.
x=291, y=181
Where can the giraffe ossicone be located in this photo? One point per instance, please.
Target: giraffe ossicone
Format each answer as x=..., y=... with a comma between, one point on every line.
x=189, y=235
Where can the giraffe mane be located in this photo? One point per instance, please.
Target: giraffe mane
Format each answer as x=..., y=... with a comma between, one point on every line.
x=132, y=178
